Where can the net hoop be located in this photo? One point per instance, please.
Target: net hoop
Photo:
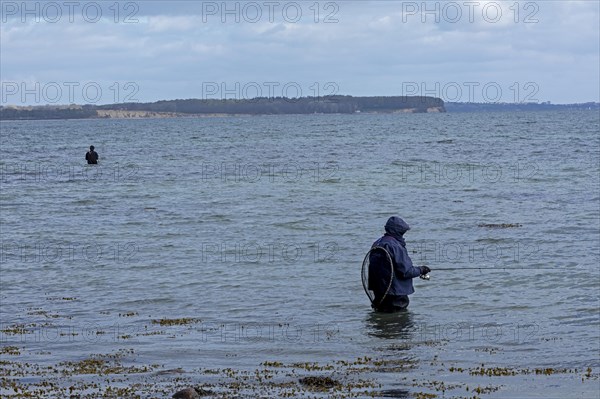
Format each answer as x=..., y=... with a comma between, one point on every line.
x=365, y=275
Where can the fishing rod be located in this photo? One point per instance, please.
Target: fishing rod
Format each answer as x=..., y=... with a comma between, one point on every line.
x=485, y=268
x=427, y=277
x=387, y=265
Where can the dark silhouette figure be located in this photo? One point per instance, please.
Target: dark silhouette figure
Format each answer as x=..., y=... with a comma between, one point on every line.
x=393, y=297
x=91, y=156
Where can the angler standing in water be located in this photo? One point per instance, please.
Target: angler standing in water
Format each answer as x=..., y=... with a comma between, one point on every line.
x=390, y=269
x=91, y=156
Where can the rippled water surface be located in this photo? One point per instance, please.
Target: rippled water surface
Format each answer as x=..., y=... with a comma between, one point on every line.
x=256, y=228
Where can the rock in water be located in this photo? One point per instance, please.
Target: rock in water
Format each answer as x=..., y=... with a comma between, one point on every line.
x=188, y=393
x=191, y=393
x=319, y=383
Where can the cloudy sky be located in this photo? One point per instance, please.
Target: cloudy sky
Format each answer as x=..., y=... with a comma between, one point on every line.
x=103, y=52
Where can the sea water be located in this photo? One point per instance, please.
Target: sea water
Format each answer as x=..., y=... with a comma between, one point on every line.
x=256, y=227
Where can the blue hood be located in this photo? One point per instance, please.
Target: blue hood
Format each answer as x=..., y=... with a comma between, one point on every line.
x=396, y=227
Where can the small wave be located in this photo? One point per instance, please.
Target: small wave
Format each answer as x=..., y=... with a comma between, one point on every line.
x=294, y=225
x=154, y=301
x=84, y=202
x=8, y=204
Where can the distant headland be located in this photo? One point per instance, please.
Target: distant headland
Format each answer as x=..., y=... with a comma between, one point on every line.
x=230, y=107
x=274, y=106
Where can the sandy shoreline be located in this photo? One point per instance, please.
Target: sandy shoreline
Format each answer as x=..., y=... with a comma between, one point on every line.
x=121, y=114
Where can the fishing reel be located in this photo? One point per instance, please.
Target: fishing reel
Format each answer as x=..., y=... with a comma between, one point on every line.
x=425, y=276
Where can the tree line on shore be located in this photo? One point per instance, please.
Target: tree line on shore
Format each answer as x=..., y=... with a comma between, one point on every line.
x=256, y=106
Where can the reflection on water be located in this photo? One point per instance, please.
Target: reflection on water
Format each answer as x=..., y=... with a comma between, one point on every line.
x=398, y=325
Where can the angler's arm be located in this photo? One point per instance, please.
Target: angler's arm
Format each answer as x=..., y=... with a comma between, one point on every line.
x=404, y=266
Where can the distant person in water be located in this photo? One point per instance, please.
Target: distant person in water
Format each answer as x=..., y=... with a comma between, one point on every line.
x=404, y=271
x=91, y=156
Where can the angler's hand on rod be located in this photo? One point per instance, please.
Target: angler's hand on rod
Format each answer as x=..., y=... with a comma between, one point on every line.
x=424, y=272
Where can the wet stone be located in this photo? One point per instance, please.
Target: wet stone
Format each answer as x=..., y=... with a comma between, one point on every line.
x=191, y=393
x=187, y=393
x=319, y=383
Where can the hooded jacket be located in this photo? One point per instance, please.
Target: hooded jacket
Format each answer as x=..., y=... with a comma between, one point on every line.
x=404, y=271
